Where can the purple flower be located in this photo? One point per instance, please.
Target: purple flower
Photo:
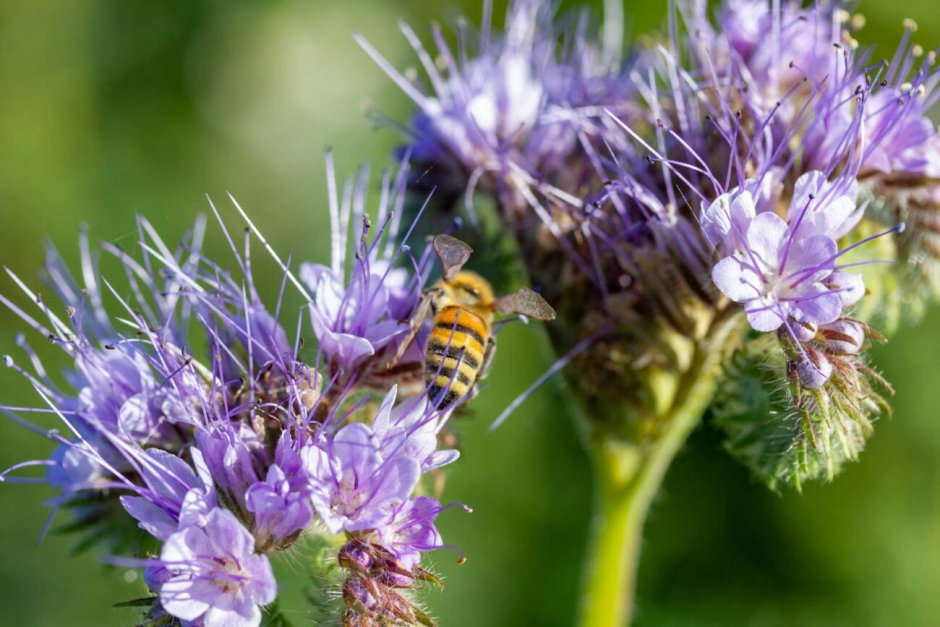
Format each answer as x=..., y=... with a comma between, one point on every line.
x=517, y=104
x=354, y=488
x=411, y=530
x=822, y=207
x=234, y=457
x=897, y=139
x=903, y=141
x=778, y=275
x=254, y=328
x=353, y=320
x=126, y=393
x=745, y=24
x=830, y=133
x=494, y=102
x=188, y=449
x=123, y=391
x=726, y=220
x=485, y=107
x=281, y=503
x=111, y=379
x=851, y=287
x=174, y=496
x=782, y=269
x=779, y=48
x=74, y=465
x=360, y=318
x=411, y=429
x=884, y=128
x=215, y=575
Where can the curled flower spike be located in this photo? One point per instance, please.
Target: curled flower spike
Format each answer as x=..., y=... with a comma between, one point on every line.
x=210, y=464
x=733, y=184
x=809, y=427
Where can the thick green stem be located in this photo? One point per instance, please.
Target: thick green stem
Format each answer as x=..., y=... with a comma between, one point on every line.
x=615, y=535
x=628, y=477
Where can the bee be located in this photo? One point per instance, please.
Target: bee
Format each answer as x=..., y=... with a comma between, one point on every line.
x=460, y=346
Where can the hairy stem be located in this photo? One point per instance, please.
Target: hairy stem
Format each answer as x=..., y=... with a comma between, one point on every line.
x=628, y=476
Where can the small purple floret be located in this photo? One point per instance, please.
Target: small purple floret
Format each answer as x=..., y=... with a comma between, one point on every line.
x=354, y=488
x=779, y=269
x=215, y=575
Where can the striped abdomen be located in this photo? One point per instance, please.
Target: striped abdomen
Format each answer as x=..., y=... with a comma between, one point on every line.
x=454, y=355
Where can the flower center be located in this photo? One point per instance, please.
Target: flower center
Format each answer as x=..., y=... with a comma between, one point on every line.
x=229, y=574
x=348, y=498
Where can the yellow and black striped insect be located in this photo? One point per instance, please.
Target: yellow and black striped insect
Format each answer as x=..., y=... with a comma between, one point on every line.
x=460, y=345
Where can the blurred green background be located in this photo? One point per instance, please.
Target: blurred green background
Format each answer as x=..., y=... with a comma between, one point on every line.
x=110, y=108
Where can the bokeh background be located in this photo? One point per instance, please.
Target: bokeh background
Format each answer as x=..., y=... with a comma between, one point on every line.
x=108, y=108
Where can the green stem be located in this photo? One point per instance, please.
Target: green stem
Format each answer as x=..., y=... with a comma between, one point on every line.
x=628, y=477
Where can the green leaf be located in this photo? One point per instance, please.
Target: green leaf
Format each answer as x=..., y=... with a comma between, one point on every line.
x=141, y=602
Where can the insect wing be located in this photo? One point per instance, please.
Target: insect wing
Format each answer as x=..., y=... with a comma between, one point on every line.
x=525, y=302
x=452, y=253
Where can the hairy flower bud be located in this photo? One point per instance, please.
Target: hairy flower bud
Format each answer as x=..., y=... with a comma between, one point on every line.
x=376, y=590
x=794, y=413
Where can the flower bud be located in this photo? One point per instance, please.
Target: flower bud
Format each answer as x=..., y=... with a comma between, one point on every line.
x=804, y=331
x=396, y=577
x=798, y=413
x=355, y=556
x=357, y=594
x=844, y=336
x=814, y=371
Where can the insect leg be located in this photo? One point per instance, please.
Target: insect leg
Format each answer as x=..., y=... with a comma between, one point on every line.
x=421, y=314
x=488, y=354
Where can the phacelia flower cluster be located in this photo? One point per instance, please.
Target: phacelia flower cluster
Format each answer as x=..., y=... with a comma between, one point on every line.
x=755, y=174
x=200, y=468
x=722, y=217
x=506, y=114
